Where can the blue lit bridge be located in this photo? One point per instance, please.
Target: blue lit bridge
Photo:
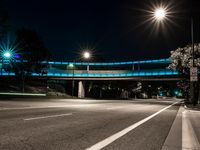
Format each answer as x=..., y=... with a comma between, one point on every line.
x=103, y=71
x=145, y=70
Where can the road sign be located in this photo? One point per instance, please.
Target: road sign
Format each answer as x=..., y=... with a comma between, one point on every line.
x=193, y=74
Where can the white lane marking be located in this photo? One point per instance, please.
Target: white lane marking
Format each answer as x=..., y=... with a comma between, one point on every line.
x=113, y=108
x=44, y=117
x=189, y=139
x=121, y=133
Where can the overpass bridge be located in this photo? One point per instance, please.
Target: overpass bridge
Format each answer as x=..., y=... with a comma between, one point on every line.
x=83, y=71
x=76, y=70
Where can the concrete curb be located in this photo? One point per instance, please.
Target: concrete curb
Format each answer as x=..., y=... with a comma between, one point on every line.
x=182, y=135
x=174, y=138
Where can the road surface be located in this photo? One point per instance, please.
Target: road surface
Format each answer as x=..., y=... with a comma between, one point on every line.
x=38, y=124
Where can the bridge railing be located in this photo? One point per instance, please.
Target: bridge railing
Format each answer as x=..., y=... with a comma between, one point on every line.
x=167, y=60
x=107, y=73
x=109, y=63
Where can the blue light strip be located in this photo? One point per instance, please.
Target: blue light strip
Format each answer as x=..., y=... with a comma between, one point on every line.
x=124, y=74
x=111, y=63
x=98, y=63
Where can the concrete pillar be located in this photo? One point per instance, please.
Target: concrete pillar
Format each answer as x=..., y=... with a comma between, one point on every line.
x=88, y=68
x=81, y=90
x=133, y=67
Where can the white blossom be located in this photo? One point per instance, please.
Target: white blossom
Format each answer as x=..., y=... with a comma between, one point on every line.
x=182, y=57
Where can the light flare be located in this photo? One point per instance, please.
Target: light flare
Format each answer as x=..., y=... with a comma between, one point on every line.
x=160, y=14
x=8, y=50
x=86, y=54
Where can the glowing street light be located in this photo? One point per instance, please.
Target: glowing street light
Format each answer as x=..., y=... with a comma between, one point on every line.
x=7, y=55
x=160, y=14
x=86, y=55
x=71, y=65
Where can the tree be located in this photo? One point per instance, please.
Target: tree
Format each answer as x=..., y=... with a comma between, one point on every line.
x=32, y=49
x=182, y=61
x=4, y=20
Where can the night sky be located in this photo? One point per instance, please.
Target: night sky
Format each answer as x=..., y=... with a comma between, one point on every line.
x=113, y=29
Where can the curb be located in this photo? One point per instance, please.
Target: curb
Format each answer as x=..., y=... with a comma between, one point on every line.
x=174, y=138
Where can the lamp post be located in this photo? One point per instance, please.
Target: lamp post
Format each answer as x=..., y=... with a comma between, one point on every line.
x=7, y=55
x=87, y=55
x=160, y=15
x=72, y=66
x=193, y=69
x=192, y=38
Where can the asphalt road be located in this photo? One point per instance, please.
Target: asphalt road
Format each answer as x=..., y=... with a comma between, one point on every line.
x=85, y=124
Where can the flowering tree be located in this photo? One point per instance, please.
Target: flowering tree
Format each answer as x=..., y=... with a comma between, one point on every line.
x=182, y=58
x=182, y=61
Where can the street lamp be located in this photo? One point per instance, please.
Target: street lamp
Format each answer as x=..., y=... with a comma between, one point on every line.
x=71, y=65
x=6, y=55
x=160, y=14
x=193, y=69
x=87, y=55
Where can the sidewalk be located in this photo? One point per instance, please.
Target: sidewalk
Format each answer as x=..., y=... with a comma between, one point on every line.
x=184, y=133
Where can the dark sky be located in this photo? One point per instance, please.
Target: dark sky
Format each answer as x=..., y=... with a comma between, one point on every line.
x=114, y=29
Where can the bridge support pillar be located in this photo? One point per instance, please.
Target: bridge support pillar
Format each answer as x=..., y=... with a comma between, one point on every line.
x=133, y=67
x=81, y=89
x=138, y=66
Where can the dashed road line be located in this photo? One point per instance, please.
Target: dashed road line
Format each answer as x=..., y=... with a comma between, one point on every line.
x=44, y=117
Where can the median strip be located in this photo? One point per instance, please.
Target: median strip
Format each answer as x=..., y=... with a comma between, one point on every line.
x=121, y=133
x=44, y=117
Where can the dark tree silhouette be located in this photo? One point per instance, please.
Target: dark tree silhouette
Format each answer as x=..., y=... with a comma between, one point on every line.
x=4, y=20
x=32, y=49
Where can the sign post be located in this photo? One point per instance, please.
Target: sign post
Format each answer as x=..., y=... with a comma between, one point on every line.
x=193, y=74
